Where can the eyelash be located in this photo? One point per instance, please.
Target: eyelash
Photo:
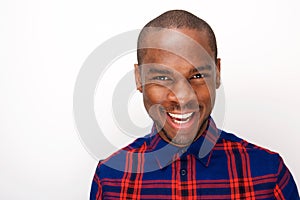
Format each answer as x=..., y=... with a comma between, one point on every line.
x=161, y=78
x=166, y=78
x=196, y=76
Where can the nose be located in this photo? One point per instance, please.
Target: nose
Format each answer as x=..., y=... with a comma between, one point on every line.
x=182, y=93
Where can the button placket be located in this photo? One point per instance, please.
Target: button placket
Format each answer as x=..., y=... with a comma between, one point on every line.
x=183, y=172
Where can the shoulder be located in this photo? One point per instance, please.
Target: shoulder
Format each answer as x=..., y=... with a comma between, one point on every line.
x=116, y=163
x=236, y=142
x=260, y=158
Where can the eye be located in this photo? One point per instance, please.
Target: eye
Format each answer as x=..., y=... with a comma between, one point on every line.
x=161, y=78
x=197, y=76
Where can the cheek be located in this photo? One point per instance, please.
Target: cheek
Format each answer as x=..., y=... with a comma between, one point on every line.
x=154, y=97
x=154, y=94
x=205, y=95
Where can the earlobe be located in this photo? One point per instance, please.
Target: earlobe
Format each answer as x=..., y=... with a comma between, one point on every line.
x=137, y=74
x=218, y=73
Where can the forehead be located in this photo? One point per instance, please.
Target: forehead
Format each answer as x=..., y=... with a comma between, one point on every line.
x=176, y=45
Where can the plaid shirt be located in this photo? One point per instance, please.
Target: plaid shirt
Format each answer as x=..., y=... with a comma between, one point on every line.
x=217, y=166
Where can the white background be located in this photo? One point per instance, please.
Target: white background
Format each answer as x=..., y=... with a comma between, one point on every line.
x=44, y=43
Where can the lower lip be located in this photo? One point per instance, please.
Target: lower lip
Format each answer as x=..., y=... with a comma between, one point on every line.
x=185, y=125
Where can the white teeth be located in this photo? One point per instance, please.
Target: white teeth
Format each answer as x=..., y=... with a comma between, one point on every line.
x=181, y=116
x=181, y=121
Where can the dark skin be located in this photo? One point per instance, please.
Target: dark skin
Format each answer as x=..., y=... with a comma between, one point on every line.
x=179, y=93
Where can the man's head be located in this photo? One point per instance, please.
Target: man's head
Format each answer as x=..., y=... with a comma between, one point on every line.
x=178, y=72
x=177, y=19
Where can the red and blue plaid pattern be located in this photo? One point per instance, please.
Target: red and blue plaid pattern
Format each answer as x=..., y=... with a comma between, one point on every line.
x=216, y=166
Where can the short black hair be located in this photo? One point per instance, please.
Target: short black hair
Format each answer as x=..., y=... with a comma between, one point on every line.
x=177, y=19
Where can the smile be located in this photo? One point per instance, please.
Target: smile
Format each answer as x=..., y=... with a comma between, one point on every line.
x=180, y=118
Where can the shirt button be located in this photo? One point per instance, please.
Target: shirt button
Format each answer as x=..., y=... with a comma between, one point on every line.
x=183, y=172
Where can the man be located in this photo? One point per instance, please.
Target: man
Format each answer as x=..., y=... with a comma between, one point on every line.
x=185, y=156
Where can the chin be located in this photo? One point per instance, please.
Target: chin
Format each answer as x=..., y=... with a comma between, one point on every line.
x=184, y=137
x=182, y=140
x=180, y=137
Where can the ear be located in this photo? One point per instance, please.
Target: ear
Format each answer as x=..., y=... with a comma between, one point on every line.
x=138, y=80
x=218, y=73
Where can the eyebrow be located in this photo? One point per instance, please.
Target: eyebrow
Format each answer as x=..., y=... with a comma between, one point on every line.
x=200, y=68
x=165, y=71
x=159, y=71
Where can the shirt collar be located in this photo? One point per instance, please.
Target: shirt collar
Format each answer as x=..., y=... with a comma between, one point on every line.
x=164, y=153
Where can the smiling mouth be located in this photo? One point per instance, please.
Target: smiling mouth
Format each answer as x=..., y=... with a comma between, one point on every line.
x=180, y=119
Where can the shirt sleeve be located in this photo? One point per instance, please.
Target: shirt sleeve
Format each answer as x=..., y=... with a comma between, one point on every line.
x=96, y=189
x=285, y=188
